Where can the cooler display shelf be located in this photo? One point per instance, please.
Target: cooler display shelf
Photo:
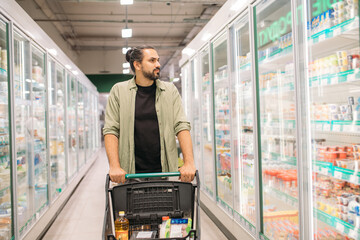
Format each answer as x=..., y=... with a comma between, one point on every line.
x=341, y=226
x=290, y=124
x=283, y=159
x=248, y=225
x=286, y=198
x=337, y=126
x=327, y=168
x=225, y=206
x=335, y=78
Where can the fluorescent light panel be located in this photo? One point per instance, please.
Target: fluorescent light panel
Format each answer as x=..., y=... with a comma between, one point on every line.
x=126, y=33
x=126, y=71
x=126, y=2
x=124, y=50
x=126, y=65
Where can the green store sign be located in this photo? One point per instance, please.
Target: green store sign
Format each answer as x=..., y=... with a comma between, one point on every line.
x=283, y=25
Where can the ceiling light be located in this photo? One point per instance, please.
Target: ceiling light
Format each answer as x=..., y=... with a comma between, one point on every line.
x=126, y=65
x=68, y=66
x=188, y=51
x=126, y=2
x=75, y=72
x=126, y=71
x=124, y=50
x=206, y=36
x=52, y=51
x=176, y=79
x=126, y=33
x=237, y=5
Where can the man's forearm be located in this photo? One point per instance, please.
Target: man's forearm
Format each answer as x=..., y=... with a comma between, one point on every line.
x=112, y=150
x=186, y=146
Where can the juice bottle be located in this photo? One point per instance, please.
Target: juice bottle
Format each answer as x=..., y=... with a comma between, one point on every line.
x=122, y=227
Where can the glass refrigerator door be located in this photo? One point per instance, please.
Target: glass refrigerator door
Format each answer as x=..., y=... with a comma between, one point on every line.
x=71, y=135
x=56, y=127
x=222, y=123
x=243, y=126
x=196, y=131
x=206, y=124
x=88, y=124
x=276, y=113
x=22, y=124
x=38, y=178
x=334, y=81
x=5, y=171
x=80, y=117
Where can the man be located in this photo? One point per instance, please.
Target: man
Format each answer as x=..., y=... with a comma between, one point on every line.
x=143, y=116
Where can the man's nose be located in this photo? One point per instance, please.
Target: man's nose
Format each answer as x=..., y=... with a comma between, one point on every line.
x=158, y=64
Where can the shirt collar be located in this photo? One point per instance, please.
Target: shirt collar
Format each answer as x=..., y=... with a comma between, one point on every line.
x=159, y=84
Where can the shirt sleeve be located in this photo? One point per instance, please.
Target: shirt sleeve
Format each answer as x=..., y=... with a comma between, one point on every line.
x=112, y=123
x=180, y=121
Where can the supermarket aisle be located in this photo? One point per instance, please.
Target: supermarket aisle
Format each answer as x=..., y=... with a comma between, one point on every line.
x=82, y=217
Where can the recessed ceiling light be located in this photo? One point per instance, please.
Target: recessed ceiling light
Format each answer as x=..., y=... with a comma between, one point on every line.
x=126, y=2
x=126, y=32
x=68, y=66
x=126, y=65
x=126, y=71
x=124, y=50
x=75, y=72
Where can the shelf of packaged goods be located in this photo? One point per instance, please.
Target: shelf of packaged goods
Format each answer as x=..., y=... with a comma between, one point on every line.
x=280, y=123
x=342, y=81
x=281, y=158
x=328, y=169
x=342, y=36
x=340, y=127
x=287, y=88
x=242, y=220
x=280, y=57
x=284, y=197
x=343, y=227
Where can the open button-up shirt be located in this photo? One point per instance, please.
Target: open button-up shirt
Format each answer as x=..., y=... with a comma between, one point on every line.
x=120, y=119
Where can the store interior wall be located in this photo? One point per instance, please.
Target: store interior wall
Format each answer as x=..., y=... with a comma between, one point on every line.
x=101, y=62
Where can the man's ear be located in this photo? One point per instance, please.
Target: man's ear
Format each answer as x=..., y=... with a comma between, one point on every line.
x=137, y=65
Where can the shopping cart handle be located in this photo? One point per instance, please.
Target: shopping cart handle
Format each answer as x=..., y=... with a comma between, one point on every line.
x=152, y=175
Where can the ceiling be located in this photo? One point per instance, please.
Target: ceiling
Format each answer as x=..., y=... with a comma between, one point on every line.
x=95, y=25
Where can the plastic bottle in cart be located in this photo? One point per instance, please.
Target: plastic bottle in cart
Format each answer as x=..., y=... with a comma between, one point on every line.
x=122, y=227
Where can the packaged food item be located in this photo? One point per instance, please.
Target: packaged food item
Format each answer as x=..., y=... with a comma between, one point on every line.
x=163, y=226
x=180, y=227
x=143, y=235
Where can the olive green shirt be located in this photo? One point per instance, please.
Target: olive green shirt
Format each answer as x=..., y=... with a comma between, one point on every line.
x=120, y=120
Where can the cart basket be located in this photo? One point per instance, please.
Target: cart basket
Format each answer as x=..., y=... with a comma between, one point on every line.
x=145, y=202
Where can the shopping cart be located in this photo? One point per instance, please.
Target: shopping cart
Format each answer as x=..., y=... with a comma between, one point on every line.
x=145, y=202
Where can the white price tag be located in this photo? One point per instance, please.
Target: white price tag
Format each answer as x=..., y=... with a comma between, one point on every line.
x=324, y=171
x=338, y=174
x=354, y=179
x=340, y=227
x=336, y=128
x=351, y=77
x=334, y=80
x=321, y=37
x=326, y=127
x=324, y=81
x=353, y=234
x=337, y=31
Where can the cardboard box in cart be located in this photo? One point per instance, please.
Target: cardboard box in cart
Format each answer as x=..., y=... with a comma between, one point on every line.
x=146, y=202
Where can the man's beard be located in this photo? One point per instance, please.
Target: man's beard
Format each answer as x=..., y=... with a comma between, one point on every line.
x=152, y=75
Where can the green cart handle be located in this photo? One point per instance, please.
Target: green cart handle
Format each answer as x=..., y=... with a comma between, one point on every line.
x=152, y=175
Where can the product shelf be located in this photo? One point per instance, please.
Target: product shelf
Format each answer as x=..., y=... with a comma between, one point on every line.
x=341, y=36
x=350, y=76
x=337, y=126
x=248, y=225
x=284, y=197
x=327, y=168
x=341, y=226
x=278, y=58
x=278, y=157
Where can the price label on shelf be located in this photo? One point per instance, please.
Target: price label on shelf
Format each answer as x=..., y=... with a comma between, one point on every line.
x=337, y=31
x=353, y=234
x=340, y=227
x=336, y=128
x=334, y=80
x=321, y=37
x=326, y=127
x=324, y=171
x=354, y=179
x=338, y=174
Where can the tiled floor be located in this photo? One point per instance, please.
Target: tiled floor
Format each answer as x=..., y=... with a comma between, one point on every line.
x=83, y=215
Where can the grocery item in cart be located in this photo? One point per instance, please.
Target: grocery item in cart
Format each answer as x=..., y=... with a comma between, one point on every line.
x=122, y=227
x=143, y=235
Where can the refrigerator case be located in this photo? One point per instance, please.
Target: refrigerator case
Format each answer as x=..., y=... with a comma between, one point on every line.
x=81, y=130
x=72, y=124
x=222, y=123
x=206, y=124
x=276, y=119
x=5, y=165
x=242, y=108
x=333, y=78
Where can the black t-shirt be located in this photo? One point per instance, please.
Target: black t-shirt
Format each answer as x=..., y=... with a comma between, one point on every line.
x=146, y=134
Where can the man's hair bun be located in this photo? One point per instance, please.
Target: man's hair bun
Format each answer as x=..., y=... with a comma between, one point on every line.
x=128, y=54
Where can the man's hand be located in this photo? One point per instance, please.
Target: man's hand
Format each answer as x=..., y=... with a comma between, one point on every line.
x=187, y=172
x=117, y=175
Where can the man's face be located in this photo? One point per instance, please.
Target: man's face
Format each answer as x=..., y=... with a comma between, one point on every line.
x=150, y=65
